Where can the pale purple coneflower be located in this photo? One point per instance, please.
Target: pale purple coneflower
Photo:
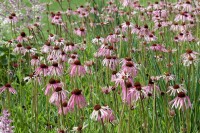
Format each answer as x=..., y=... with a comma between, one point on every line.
x=60, y=42
x=173, y=90
x=12, y=18
x=158, y=47
x=53, y=84
x=127, y=26
x=76, y=69
x=22, y=38
x=181, y=101
x=46, y=48
x=112, y=38
x=77, y=99
x=57, y=96
x=102, y=113
x=9, y=88
x=88, y=66
x=42, y=70
x=130, y=68
x=111, y=62
x=55, y=69
x=80, y=31
x=151, y=87
x=136, y=93
x=35, y=61
x=63, y=57
x=64, y=109
x=70, y=47
x=98, y=40
x=73, y=57
x=106, y=89
x=51, y=37
x=19, y=49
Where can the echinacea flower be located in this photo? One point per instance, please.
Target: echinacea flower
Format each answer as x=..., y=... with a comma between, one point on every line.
x=173, y=90
x=22, y=38
x=55, y=69
x=53, y=84
x=76, y=69
x=181, y=101
x=130, y=68
x=19, y=49
x=46, y=48
x=58, y=95
x=102, y=113
x=64, y=109
x=42, y=70
x=77, y=99
x=136, y=93
x=80, y=31
x=35, y=61
x=9, y=88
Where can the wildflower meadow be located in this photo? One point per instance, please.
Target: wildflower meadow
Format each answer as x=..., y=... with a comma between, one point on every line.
x=99, y=66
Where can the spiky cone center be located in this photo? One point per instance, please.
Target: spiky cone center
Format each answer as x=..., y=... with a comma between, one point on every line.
x=151, y=82
x=35, y=57
x=23, y=34
x=128, y=23
x=64, y=104
x=82, y=29
x=52, y=81
x=43, y=66
x=181, y=94
x=188, y=51
x=28, y=47
x=56, y=48
x=55, y=64
x=176, y=86
x=77, y=62
x=114, y=72
x=58, y=89
x=128, y=84
x=138, y=86
x=19, y=45
x=129, y=64
x=76, y=92
x=108, y=57
x=128, y=59
x=7, y=85
x=80, y=128
x=97, y=107
x=47, y=43
x=191, y=58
